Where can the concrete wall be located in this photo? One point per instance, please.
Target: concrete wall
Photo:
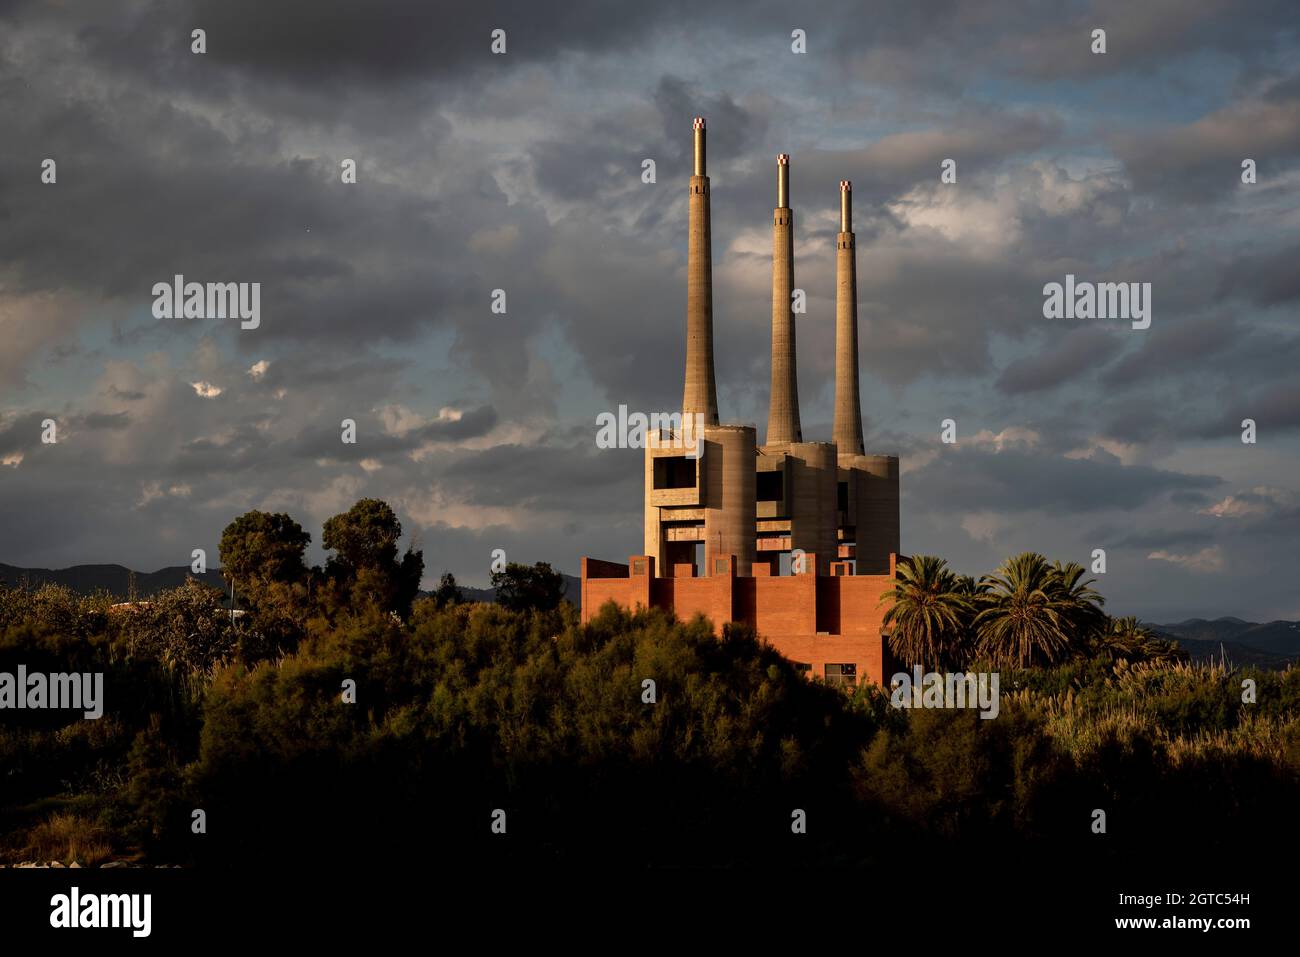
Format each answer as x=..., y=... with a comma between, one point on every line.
x=730, y=519
x=812, y=497
x=876, y=518
x=809, y=618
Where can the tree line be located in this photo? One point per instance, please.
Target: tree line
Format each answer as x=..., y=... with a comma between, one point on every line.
x=459, y=709
x=1027, y=613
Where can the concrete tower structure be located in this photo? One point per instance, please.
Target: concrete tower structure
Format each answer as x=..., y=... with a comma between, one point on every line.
x=701, y=392
x=783, y=409
x=847, y=430
x=721, y=512
x=700, y=482
x=867, y=499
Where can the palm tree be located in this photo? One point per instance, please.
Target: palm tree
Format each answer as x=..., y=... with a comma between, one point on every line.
x=1026, y=619
x=929, y=613
x=1130, y=639
x=1080, y=601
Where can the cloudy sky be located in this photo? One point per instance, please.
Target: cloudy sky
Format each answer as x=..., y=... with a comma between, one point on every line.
x=523, y=172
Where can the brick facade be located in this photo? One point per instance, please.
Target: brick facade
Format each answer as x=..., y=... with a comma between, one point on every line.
x=816, y=620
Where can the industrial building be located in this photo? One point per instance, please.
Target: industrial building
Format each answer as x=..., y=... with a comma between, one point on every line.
x=797, y=538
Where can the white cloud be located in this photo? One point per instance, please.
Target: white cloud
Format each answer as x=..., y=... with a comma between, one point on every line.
x=984, y=526
x=206, y=389
x=152, y=491
x=1012, y=437
x=1260, y=500
x=1126, y=452
x=398, y=419
x=258, y=369
x=1208, y=559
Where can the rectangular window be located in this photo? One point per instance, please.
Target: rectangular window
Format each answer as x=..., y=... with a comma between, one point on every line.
x=770, y=486
x=673, y=471
x=842, y=676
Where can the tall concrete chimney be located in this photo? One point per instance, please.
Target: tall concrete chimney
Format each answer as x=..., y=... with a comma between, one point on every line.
x=701, y=392
x=783, y=412
x=847, y=431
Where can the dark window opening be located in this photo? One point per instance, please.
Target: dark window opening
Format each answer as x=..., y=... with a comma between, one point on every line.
x=674, y=471
x=771, y=486
x=843, y=501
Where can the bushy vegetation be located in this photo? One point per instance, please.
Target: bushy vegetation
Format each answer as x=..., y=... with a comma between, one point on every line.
x=463, y=708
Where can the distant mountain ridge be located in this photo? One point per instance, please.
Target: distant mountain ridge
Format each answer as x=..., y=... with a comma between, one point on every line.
x=572, y=591
x=116, y=580
x=1272, y=644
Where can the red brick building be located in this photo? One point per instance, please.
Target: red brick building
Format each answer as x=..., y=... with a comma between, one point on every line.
x=831, y=624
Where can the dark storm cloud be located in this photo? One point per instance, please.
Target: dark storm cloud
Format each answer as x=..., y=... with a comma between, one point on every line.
x=1216, y=348
x=105, y=420
x=470, y=425
x=1274, y=409
x=1202, y=161
x=578, y=476
x=1206, y=534
x=330, y=43
x=1171, y=346
x=1267, y=280
x=732, y=128
x=1017, y=480
x=1075, y=354
x=522, y=172
x=1058, y=44
x=21, y=432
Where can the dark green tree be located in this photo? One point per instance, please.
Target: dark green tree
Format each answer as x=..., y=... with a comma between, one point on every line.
x=364, y=540
x=447, y=593
x=524, y=587
x=259, y=549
